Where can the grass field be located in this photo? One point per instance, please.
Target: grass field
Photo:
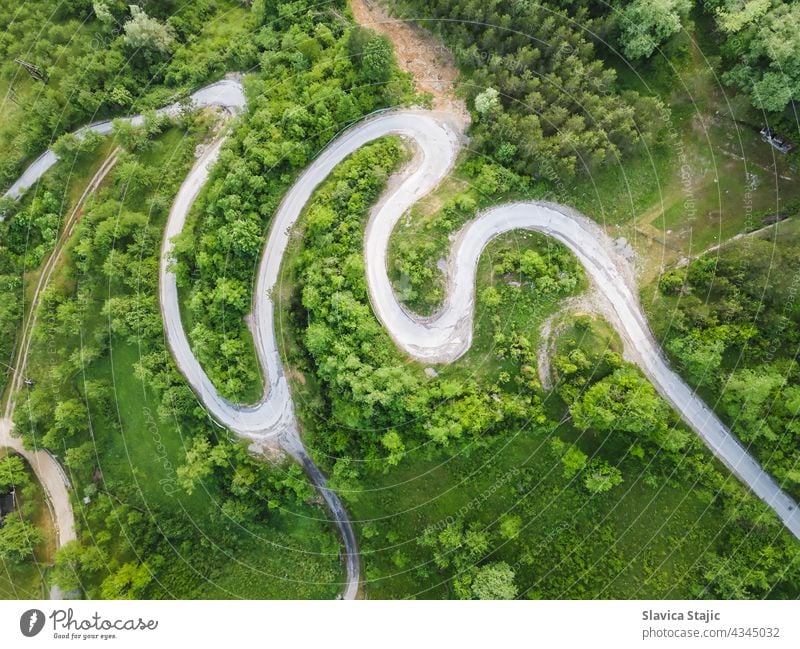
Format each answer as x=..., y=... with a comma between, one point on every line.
x=641, y=540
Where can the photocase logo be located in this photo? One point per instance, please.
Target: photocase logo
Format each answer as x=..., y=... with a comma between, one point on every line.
x=31, y=622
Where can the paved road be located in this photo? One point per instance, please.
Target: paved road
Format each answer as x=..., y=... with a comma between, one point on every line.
x=448, y=334
x=48, y=470
x=227, y=93
x=441, y=338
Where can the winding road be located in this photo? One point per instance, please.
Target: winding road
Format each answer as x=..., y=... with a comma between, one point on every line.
x=445, y=336
x=48, y=470
x=441, y=338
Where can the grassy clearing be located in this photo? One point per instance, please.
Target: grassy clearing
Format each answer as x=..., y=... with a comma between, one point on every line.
x=643, y=539
x=720, y=179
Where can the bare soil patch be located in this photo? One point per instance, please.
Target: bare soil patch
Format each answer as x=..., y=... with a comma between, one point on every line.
x=419, y=53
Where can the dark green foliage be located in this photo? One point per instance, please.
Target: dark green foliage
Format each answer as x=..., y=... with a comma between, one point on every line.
x=558, y=111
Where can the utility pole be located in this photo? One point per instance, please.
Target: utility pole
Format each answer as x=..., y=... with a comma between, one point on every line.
x=34, y=70
x=12, y=95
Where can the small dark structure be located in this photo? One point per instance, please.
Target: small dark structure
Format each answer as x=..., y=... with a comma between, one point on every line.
x=774, y=218
x=8, y=503
x=777, y=141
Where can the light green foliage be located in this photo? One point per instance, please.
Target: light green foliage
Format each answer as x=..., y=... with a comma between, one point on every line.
x=624, y=402
x=646, y=24
x=394, y=444
x=571, y=457
x=144, y=32
x=103, y=12
x=601, y=477
x=701, y=356
x=18, y=538
x=12, y=473
x=487, y=102
x=129, y=582
x=201, y=459
x=763, y=406
x=734, y=330
x=732, y=17
x=494, y=581
x=762, y=49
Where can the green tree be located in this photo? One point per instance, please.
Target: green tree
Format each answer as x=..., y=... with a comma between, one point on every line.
x=601, y=477
x=144, y=32
x=494, y=581
x=18, y=538
x=201, y=459
x=487, y=102
x=378, y=60
x=13, y=473
x=128, y=582
x=762, y=50
x=646, y=24
x=393, y=443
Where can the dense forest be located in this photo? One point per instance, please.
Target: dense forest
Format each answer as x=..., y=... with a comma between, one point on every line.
x=541, y=77
x=546, y=105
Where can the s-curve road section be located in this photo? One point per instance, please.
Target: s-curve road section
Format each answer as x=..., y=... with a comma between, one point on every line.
x=441, y=338
x=445, y=336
